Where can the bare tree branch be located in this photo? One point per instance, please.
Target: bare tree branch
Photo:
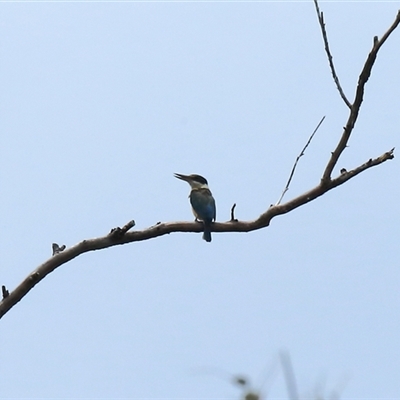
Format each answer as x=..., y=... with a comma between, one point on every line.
x=297, y=160
x=355, y=108
x=165, y=228
x=328, y=53
x=120, y=236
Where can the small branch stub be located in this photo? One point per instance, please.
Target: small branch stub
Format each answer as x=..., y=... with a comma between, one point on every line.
x=5, y=292
x=57, y=249
x=118, y=233
x=233, y=219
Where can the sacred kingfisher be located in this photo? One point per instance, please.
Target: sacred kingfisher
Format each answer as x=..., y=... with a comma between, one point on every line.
x=202, y=201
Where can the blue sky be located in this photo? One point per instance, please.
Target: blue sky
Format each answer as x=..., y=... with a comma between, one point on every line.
x=101, y=103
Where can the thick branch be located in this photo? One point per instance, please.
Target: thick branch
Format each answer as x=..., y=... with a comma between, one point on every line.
x=161, y=229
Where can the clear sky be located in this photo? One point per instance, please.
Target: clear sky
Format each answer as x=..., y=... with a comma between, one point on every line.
x=100, y=103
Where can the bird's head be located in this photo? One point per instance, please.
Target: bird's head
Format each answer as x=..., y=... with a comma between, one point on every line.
x=195, y=181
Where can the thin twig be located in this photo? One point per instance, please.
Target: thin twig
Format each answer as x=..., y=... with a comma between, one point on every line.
x=329, y=54
x=233, y=219
x=297, y=160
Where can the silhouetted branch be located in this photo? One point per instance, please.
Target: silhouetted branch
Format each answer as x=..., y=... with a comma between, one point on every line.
x=233, y=219
x=355, y=108
x=297, y=160
x=165, y=228
x=120, y=236
x=328, y=53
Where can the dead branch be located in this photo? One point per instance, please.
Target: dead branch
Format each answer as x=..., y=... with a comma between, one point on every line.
x=355, y=107
x=171, y=227
x=120, y=236
x=328, y=53
x=297, y=160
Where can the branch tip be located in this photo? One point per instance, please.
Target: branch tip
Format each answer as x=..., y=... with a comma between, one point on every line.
x=329, y=55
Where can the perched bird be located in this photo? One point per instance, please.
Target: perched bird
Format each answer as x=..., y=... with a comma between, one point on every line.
x=202, y=201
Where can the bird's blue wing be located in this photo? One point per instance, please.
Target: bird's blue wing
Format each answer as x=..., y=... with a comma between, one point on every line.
x=203, y=204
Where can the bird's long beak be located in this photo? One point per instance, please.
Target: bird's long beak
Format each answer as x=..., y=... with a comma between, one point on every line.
x=185, y=178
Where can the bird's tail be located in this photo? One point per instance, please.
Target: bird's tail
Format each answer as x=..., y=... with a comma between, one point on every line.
x=207, y=233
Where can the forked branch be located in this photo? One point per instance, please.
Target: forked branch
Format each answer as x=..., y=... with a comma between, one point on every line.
x=355, y=107
x=120, y=236
x=165, y=228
